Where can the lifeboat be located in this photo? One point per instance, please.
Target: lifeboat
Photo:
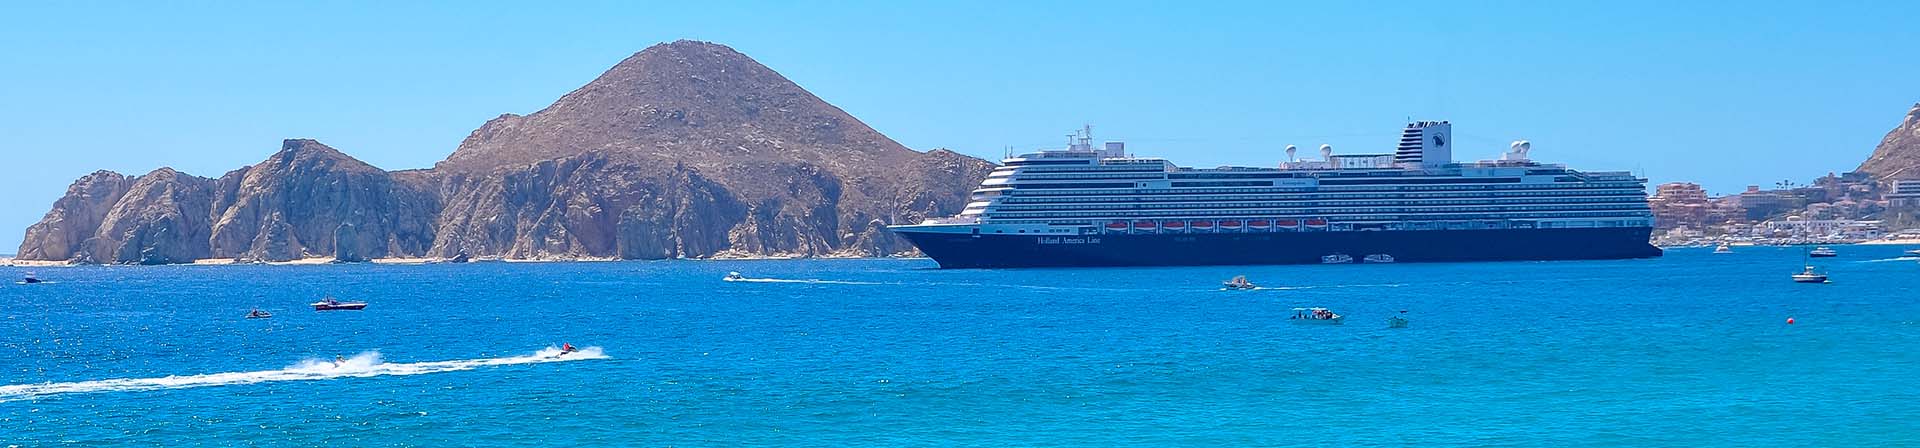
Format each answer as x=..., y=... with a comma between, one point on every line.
x=1203, y=226
x=1259, y=224
x=1144, y=226
x=1316, y=222
x=1286, y=224
x=1230, y=224
x=1117, y=226
x=1174, y=226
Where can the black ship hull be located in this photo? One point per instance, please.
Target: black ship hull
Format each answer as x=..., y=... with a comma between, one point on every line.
x=955, y=250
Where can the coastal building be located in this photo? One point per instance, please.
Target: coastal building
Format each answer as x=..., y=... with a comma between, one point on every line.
x=1679, y=204
x=1904, y=196
x=1795, y=226
x=1759, y=205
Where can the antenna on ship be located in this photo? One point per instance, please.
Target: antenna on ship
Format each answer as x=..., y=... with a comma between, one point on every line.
x=1290, y=150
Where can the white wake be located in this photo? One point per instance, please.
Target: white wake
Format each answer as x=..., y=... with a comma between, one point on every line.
x=365, y=364
x=812, y=281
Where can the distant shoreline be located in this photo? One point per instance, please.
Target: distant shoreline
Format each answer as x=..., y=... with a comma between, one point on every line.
x=8, y=261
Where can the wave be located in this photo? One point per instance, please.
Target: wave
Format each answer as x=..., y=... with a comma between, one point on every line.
x=365, y=364
x=1883, y=260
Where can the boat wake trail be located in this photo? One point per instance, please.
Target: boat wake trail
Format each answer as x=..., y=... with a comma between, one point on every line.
x=1883, y=260
x=365, y=364
x=813, y=281
x=1297, y=288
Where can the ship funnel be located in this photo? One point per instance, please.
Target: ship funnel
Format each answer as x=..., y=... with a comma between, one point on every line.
x=1326, y=152
x=1518, y=151
x=1290, y=150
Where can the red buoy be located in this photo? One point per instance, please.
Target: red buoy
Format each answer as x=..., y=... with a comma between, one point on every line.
x=1789, y=321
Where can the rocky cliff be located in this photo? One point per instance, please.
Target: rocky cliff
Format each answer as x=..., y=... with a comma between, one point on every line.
x=687, y=149
x=1898, y=155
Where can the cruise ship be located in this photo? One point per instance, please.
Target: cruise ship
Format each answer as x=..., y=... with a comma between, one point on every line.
x=1100, y=206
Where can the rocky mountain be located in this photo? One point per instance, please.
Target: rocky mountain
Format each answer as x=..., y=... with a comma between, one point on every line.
x=687, y=149
x=1898, y=155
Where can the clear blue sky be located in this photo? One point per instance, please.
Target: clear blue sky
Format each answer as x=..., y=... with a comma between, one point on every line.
x=1725, y=95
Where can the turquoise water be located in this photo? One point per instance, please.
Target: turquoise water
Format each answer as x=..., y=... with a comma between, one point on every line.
x=1690, y=349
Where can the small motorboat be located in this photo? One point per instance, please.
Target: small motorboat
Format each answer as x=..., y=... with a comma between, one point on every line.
x=1316, y=315
x=1378, y=258
x=31, y=279
x=1911, y=253
x=331, y=304
x=1723, y=249
x=1822, y=252
x=1810, y=275
x=259, y=314
x=1238, y=283
x=1336, y=259
x=734, y=277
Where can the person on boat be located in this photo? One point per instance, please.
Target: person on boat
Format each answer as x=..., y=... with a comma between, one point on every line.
x=339, y=360
x=566, y=348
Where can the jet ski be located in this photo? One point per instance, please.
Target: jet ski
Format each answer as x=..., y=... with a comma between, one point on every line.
x=565, y=349
x=259, y=314
x=30, y=279
x=734, y=277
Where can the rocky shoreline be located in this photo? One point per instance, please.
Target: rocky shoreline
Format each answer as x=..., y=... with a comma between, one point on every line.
x=684, y=150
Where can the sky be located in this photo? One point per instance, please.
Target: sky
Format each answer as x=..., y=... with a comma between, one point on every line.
x=1725, y=95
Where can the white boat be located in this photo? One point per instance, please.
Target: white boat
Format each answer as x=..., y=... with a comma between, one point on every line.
x=1378, y=258
x=332, y=304
x=259, y=314
x=1316, y=316
x=734, y=277
x=1822, y=252
x=1911, y=253
x=1723, y=249
x=1810, y=275
x=1336, y=259
x=1238, y=283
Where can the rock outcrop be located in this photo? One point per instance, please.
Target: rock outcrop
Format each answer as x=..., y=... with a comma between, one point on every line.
x=1898, y=155
x=310, y=200
x=687, y=149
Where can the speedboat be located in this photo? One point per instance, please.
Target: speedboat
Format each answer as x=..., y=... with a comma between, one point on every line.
x=1378, y=258
x=1239, y=282
x=1911, y=253
x=30, y=279
x=1822, y=252
x=1316, y=315
x=1810, y=275
x=259, y=314
x=734, y=277
x=331, y=304
x=1336, y=259
x=1723, y=249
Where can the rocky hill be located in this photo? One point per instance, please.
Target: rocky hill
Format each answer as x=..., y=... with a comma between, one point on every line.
x=1898, y=155
x=687, y=149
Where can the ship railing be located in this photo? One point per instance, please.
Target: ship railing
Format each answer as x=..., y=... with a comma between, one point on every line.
x=952, y=220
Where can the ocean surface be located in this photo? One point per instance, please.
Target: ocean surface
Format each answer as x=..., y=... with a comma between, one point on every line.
x=1692, y=349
